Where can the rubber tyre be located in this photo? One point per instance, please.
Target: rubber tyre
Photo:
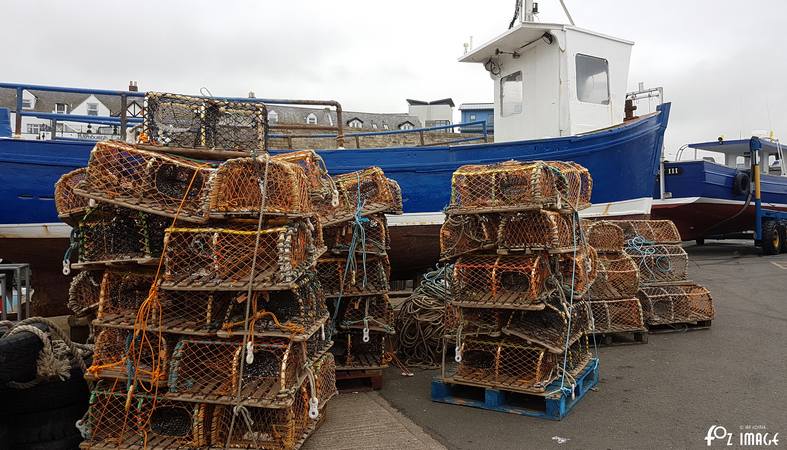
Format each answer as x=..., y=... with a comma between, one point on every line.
x=47, y=396
x=5, y=444
x=783, y=236
x=44, y=426
x=771, y=237
x=18, y=355
x=700, y=242
x=67, y=443
x=741, y=184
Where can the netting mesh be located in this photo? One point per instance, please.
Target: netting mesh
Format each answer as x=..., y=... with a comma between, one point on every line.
x=112, y=234
x=654, y=231
x=374, y=310
x=513, y=364
x=577, y=271
x=615, y=316
x=539, y=230
x=682, y=303
x=500, y=281
x=121, y=354
x=551, y=328
x=67, y=202
x=617, y=277
x=466, y=233
x=208, y=370
x=351, y=352
x=322, y=189
x=368, y=188
x=375, y=236
x=660, y=263
x=520, y=185
x=122, y=293
x=222, y=258
x=603, y=235
x=337, y=278
x=173, y=120
x=84, y=291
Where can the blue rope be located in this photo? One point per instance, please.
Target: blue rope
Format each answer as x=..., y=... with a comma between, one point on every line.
x=563, y=387
x=647, y=249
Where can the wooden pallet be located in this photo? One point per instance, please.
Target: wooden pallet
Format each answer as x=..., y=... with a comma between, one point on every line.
x=354, y=380
x=553, y=404
x=621, y=338
x=679, y=327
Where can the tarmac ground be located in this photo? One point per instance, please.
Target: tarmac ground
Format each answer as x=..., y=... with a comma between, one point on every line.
x=663, y=394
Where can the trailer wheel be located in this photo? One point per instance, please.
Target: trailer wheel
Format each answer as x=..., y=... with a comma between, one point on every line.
x=783, y=236
x=771, y=237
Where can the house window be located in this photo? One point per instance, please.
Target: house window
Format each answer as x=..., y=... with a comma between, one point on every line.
x=472, y=117
x=374, y=125
x=511, y=94
x=592, y=79
x=273, y=117
x=27, y=103
x=355, y=123
x=311, y=119
x=92, y=109
x=33, y=128
x=406, y=126
x=385, y=126
x=61, y=108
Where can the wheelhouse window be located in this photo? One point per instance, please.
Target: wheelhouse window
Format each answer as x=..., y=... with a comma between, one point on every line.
x=512, y=92
x=92, y=109
x=592, y=79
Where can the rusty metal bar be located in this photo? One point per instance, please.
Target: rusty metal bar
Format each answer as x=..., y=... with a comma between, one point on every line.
x=421, y=136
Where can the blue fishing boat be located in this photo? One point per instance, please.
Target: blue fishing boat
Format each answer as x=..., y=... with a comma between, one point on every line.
x=559, y=94
x=711, y=194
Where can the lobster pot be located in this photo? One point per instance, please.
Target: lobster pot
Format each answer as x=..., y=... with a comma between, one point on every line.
x=236, y=189
x=119, y=354
x=121, y=174
x=398, y=201
x=615, y=316
x=496, y=281
x=122, y=293
x=367, y=189
x=339, y=279
x=173, y=120
x=147, y=423
x=617, y=277
x=514, y=364
x=660, y=263
x=68, y=203
x=551, y=328
x=650, y=231
x=603, y=235
x=539, y=230
x=374, y=310
x=465, y=233
x=339, y=238
x=84, y=291
x=222, y=258
x=577, y=271
x=119, y=234
x=351, y=352
x=209, y=371
x=322, y=190
x=514, y=185
x=663, y=305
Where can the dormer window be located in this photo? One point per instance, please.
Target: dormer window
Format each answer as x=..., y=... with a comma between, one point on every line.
x=273, y=117
x=27, y=103
x=406, y=126
x=61, y=108
x=311, y=119
x=592, y=79
x=355, y=123
x=92, y=109
x=385, y=126
x=374, y=126
x=511, y=94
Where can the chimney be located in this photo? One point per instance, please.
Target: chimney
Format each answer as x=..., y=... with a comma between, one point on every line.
x=132, y=86
x=251, y=94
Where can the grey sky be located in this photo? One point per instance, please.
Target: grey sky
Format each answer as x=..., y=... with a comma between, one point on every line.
x=721, y=62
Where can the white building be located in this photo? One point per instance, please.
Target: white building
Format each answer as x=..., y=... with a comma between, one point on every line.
x=432, y=114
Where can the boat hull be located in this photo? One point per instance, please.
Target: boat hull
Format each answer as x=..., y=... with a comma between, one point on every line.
x=702, y=202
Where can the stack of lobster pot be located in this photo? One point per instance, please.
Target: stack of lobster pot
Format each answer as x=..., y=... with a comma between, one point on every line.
x=518, y=320
x=669, y=299
x=211, y=328
x=614, y=307
x=355, y=272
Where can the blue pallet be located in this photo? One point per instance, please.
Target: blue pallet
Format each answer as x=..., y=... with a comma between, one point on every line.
x=554, y=406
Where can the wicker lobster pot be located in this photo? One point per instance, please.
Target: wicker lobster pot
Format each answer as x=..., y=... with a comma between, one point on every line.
x=652, y=231
x=173, y=120
x=616, y=316
x=222, y=258
x=119, y=234
x=351, y=352
x=513, y=282
x=604, y=235
x=466, y=233
x=376, y=240
x=663, y=305
x=514, y=185
x=374, y=310
x=617, y=277
x=660, y=263
x=337, y=278
x=578, y=270
x=120, y=354
x=85, y=291
x=539, y=230
x=70, y=206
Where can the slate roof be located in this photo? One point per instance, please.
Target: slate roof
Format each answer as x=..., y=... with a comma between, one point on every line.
x=45, y=101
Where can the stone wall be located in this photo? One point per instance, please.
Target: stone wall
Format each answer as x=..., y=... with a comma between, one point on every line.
x=410, y=139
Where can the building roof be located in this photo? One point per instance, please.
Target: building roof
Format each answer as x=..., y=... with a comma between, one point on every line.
x=45, y=101
x=476, y=106
x=444, y=101
x=327, y=117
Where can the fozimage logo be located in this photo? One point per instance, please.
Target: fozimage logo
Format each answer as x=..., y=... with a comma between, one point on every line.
x=748, y=436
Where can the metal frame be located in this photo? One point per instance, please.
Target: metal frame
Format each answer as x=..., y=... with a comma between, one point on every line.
x=21, y=279
x=760, y=213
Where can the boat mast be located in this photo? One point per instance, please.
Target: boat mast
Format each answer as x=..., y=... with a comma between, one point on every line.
x=527, y=10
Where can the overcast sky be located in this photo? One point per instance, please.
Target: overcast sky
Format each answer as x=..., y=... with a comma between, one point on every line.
x=721, y=63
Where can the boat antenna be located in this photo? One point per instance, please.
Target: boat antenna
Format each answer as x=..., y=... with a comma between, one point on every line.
x=568, y=14
x=526, y=11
